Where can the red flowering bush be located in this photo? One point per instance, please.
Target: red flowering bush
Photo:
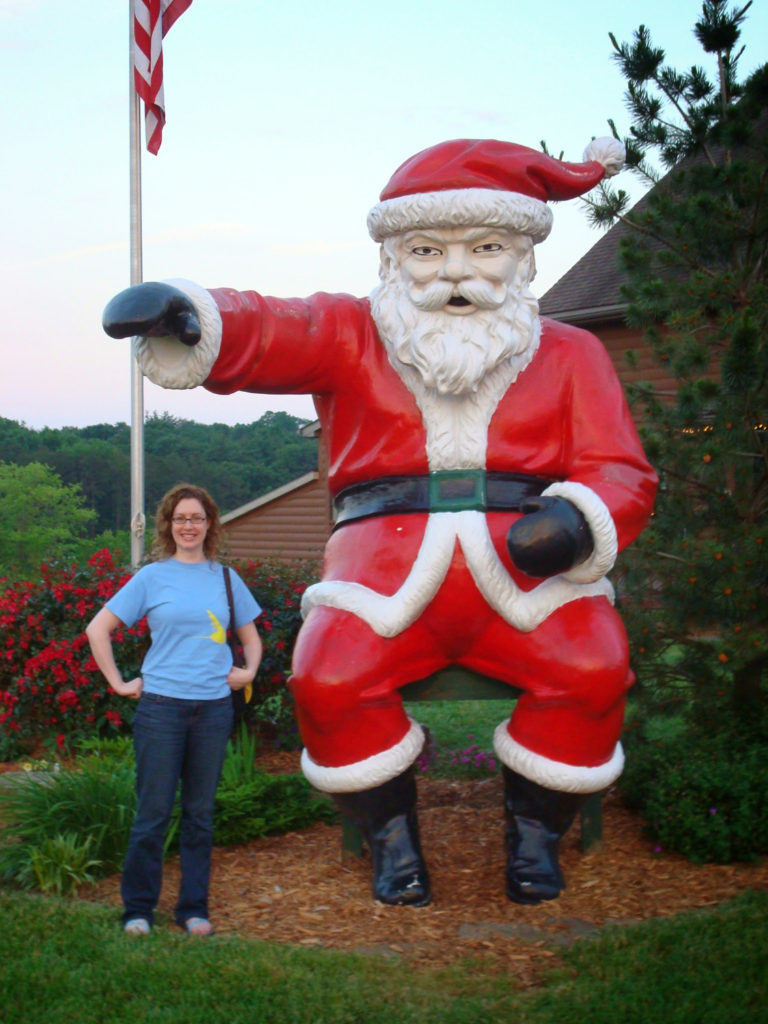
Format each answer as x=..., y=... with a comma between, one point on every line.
x=278, y=588
x=50, y=687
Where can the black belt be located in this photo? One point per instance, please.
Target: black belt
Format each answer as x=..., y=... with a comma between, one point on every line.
x=446, y=491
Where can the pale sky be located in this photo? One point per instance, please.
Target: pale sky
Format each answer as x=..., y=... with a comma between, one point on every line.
x=285, y=121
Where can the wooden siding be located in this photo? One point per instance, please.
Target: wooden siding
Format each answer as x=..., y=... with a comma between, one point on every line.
x=292, y=527
x=619, y=340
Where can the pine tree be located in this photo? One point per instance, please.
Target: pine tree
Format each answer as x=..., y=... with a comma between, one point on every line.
x=696, y=264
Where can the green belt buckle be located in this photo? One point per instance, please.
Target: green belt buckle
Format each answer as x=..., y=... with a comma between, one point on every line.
x=457, y=490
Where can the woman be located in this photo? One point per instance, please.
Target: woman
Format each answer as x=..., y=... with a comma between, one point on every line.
x=184, y=716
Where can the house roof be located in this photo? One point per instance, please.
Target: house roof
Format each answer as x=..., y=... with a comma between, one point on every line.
x=265, y=499
x=591, y=289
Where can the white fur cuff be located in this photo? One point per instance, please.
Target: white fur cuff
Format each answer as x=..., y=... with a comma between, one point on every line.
x=565, y=778
x=373, y=771
x=169, y=363
x=601, y=526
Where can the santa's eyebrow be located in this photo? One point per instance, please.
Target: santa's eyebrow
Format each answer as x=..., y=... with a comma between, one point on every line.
x=470, y=235
x=424, y=236
x=475, y=234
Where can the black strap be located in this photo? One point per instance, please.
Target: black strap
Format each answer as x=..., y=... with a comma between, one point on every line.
x=237, y=657
x=447, y=491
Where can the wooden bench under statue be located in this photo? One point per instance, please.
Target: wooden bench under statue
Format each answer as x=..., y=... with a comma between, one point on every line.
x=457, y=683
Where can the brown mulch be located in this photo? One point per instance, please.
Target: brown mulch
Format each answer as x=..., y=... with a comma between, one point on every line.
x=296, y=889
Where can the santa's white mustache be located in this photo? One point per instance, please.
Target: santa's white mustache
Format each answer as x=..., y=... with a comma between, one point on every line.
x=480, y=294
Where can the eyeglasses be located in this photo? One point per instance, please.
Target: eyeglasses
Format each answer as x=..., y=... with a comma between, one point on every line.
x=196, y=520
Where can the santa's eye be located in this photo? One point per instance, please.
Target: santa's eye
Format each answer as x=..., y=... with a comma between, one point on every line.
x=488, y=247
x=425, y=250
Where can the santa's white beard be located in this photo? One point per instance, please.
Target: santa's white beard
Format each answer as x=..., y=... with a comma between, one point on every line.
x=453, y=353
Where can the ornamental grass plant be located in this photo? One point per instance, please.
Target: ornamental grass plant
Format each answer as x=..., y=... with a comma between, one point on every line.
x=60, y=829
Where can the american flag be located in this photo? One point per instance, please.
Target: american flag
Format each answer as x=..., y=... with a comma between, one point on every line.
x=151, y=20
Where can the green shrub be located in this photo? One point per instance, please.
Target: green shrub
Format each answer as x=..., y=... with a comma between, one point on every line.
x=62, y=828
x=707, y=800
x=240, y=759
x=278, y=587
x=62, y=863
x=95, y=802
x=250, y=803
x=268, y=805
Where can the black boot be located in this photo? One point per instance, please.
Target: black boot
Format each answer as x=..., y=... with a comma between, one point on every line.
x=386, y=815
x=537, y=818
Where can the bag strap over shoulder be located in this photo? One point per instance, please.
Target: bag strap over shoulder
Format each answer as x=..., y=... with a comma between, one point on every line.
x=240, y=697
x=237, y=654
x=230, y=600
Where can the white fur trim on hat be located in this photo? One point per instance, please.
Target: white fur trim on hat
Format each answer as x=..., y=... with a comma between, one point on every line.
x=471, y=207
x=607, y=151
x=565, y=778
x=171, y=364
x=373, y=771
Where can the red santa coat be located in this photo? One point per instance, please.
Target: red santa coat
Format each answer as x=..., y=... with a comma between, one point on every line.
x=403, y=594
x=564, y=418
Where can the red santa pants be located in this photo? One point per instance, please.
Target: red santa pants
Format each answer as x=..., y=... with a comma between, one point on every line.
x=573, y=670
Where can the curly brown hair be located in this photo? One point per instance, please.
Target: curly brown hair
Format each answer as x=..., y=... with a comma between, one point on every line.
x=164, y=545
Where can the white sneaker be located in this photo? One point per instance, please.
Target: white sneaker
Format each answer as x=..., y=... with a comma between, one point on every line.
x=137, y=926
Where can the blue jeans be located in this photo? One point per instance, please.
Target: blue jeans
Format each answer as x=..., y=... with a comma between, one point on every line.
x=174, y=739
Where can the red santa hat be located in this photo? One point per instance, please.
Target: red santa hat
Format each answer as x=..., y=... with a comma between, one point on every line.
x=484, y=182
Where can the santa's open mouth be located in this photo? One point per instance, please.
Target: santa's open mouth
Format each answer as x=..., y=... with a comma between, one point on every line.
x=458, y=300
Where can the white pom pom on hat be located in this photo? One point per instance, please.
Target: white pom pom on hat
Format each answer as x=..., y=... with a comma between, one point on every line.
x=486, y=182
x=607, y=151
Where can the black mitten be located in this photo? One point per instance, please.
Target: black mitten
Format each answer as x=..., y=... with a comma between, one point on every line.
x=152, y=310
x=551, y=537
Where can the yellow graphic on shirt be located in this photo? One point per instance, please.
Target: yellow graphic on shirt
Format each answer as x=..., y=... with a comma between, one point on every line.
x=219, y=634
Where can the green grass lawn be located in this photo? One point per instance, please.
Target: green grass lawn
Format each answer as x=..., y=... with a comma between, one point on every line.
x=65, y=961
x=456, y=724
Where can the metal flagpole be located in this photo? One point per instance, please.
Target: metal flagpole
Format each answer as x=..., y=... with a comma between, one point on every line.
x=138, y=520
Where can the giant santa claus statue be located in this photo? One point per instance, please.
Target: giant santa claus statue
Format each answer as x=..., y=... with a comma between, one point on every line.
x=485, y=473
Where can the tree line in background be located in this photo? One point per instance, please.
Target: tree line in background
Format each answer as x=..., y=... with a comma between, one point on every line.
x=63, y=488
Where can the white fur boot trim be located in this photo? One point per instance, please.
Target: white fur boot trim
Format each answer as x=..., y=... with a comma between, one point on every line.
x=566, y=778
x=373, y=771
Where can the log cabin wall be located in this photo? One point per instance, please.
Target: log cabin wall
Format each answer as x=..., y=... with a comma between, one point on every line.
x=291, y=523
x=619, y=340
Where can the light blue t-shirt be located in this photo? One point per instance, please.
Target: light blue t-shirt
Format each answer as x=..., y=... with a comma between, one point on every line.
x=188, y=614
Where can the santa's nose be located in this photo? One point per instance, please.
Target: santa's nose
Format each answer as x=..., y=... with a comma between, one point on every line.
x=455, y=268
